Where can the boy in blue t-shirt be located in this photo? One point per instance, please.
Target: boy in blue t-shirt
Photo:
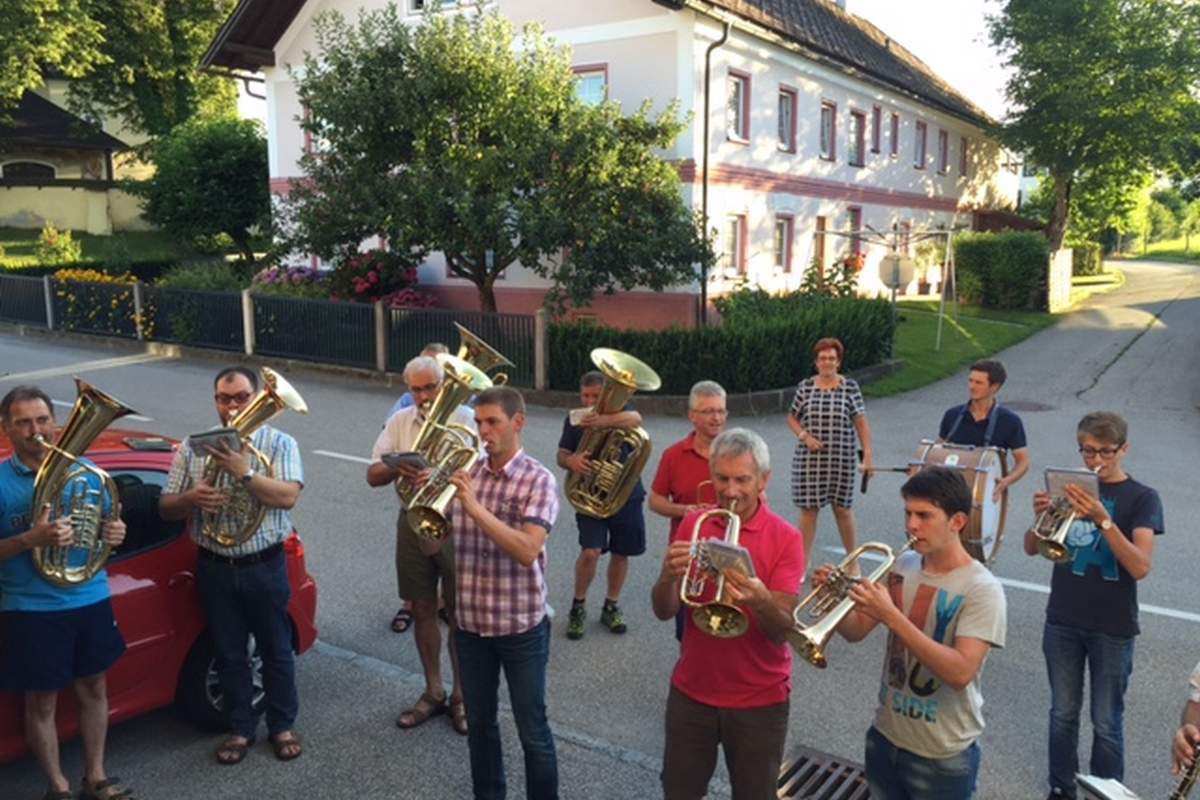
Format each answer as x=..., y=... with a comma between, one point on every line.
x=1091, y=617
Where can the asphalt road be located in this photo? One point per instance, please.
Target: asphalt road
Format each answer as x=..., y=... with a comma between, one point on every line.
x=1132, y=350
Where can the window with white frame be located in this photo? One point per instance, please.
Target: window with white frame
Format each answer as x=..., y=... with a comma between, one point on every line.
x=895, y=143
x=858, y=138
x=417, y=6
x=591, y=85
x=828, y=131
x=819, y=244
x=964, y=156
x=876, y=124
x=787, y=119
x=783, y=242
x=943, y=152
x=737, y=108
x=920, y=132
x=733, y=257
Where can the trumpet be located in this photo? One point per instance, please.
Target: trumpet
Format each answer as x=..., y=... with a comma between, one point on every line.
x=1052, y=526
x=717, y=617
x=818, y=615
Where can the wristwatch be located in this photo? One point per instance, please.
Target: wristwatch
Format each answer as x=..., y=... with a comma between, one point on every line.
x=249, y=475
x=1105, y=524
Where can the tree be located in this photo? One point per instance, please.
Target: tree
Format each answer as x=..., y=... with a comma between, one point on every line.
x=41, y=35
x=447, y=137
x=1097, y=82
x=151, y=75
x=1190, y=225
x=210, y=177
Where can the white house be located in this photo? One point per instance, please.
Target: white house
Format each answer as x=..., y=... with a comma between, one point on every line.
x=818, y=125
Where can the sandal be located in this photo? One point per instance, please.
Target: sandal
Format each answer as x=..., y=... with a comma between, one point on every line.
x=402, y=621
x=444, y=615
x=427, y=706
x=108, y=789
x=233, y=750
x=458, y=715
x=286, y=746
x=53, y=795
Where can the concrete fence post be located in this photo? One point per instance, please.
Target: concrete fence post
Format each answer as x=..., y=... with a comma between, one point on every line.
x=48, y=293
x=138, y=311
x=540, y=353
x=248, y=320
x=381, y=336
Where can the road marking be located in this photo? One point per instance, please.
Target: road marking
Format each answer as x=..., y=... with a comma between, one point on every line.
x=87, y=366
x=1161, y=611
x=343, y=457
x=138, y=417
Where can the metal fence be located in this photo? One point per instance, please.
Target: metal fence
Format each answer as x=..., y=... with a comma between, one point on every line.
x=22, y=299
x=511, y=334
x=102, y=308
x=315, y=330
x=198, y=318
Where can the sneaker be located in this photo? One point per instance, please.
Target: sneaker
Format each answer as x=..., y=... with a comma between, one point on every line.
x=1059, y=794
x=612, y=618
x=575, y=622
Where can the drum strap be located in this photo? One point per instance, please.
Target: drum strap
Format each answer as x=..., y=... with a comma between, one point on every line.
x=987, y=434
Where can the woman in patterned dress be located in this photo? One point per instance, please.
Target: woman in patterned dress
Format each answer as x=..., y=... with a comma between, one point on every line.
x=825, y=415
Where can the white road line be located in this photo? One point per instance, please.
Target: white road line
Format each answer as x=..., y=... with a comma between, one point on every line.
x=87, y=366
x=1161, y=611
x=343, y=457
x=138, y=417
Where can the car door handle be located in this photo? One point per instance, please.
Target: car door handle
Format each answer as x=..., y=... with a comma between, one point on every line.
x=180, y=578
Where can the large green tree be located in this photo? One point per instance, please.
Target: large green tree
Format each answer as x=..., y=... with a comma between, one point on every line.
x=1095, y=83
x=40, y=35
x=151, y=75
x=446, y=136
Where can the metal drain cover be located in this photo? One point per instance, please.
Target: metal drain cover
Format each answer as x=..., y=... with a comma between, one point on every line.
x=812, y=775
x=1026, y=405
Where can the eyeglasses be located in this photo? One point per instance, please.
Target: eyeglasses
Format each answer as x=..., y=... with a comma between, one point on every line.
x=429, y=387
x=711, y=412
x=230, y=399
x=1103, y=452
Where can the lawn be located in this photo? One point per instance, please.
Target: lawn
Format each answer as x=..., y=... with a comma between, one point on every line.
x=1169, y=250
x=976, y=333
x=19, y=243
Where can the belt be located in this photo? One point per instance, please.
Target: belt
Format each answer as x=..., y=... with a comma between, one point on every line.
x=243, y=561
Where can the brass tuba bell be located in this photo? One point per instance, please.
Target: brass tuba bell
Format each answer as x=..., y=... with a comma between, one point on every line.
x=618, y=455
x=481, y=355
x=66, y=483
x=717, y=617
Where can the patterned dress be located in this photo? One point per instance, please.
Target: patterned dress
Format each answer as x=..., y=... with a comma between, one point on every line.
x=826, y=476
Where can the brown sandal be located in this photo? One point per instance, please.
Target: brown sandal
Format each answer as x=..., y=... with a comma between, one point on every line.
x=108, y=789
x=458, y=716
x=427, y=706
x=233, y=750
x=286, y=746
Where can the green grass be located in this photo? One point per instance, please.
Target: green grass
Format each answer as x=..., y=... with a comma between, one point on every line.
x=978, y=332
x=19, y=244
x=1169, y=250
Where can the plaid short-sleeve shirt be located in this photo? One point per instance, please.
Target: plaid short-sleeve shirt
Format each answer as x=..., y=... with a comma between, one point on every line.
x=496, y=595
x=284, y=453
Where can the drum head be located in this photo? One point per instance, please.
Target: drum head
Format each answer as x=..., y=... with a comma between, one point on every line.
x=981, y=468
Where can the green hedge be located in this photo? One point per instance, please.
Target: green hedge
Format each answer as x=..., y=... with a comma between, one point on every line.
x=145, y=270
x=769, y=352
x=1087, y=259
x=1007, y=270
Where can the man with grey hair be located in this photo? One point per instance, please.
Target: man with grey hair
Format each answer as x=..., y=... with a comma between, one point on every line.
x=733, y=691
x=684, y=465
x=432, y=350
x=418, y=572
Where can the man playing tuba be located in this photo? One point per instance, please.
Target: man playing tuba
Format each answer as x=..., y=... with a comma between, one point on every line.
x=244, y=586
x=73, y=626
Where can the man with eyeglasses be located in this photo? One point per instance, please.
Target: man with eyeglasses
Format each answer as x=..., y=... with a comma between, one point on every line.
x=244, y=587
x=983, y=422
x=684, y=465
x=1092, y=614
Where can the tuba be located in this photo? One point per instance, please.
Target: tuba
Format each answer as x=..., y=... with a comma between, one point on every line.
x=447, y=445
x=716, y=617
x=618, y=455
x=481, y=355
x=1052, y=526
x=66, y=483
x=244, y=513
x=818, y=615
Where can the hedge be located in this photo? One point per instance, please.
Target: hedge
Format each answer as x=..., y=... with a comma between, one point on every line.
x=1006, y=270
x=145, y=270
x=1087, y=259
x=771, y=352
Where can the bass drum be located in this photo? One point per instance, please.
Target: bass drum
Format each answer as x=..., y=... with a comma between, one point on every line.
x=981, y=467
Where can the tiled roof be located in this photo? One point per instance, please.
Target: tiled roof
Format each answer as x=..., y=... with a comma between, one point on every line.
x=38, y=121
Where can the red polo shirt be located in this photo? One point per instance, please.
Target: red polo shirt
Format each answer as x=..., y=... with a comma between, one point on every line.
x=680, y=470
x=748, y=671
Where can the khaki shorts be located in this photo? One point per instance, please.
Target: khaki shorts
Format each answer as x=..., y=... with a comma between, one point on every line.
x=417, y=574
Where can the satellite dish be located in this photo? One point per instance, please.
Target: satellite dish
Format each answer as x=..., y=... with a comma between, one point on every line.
x=896, y=271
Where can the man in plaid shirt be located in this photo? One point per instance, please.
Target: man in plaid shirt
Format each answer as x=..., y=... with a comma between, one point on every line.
x=506, y=506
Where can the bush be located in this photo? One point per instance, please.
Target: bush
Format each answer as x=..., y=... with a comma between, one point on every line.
x=207, y=276
x=91, y=300
x=304, y=282
x=373, y=275
x=409, y=298
x=146, y=271
x=1010, y=268
x=1087, y=258
x=57, y=247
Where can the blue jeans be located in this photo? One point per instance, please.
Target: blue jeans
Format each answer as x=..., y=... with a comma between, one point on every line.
x=524, y=657
x=895, y=774
x=1109, y=660
x=239, y=602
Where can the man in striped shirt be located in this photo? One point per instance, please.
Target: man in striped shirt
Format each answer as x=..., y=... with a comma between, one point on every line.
x=506, y=506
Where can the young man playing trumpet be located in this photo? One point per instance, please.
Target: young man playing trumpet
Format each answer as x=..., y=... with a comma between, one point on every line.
x=732, y=693
x=944, y=612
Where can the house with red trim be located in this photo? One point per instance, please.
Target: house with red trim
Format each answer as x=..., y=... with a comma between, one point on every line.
x=820, y=129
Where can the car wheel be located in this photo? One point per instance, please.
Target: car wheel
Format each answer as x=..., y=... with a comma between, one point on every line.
x=199, y=696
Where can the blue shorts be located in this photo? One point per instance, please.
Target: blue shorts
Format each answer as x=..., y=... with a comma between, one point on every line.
x=624, y=533
x=43, y=651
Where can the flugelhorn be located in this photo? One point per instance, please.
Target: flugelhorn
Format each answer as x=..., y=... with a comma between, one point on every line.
x=67, y=483
x=817, y=616
x=481, y=355
x=716, y=617
x=1052, y=526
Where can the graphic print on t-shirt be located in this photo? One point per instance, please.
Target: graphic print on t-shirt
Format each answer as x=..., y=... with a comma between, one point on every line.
x=910, y=687
x=1089, y=548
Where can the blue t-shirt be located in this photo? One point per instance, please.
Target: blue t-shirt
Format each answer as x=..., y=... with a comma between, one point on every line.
x=405, y=401
x=1092, y=590
x=22, y=587
x=1009, y=433
x=569, y=440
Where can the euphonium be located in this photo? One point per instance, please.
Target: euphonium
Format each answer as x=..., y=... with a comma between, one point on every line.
x=617, y=455
x=447, y=446
x=717, y=617
x=65, y=483
x=243, y=514
x=481, y=355
x=818, y=615
x=1052, y=526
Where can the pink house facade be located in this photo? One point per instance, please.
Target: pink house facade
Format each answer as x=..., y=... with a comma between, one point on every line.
x=819, y=127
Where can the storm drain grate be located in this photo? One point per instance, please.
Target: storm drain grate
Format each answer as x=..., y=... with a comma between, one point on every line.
x=813, y=775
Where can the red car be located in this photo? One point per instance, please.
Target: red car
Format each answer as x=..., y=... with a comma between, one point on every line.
x=168, y=657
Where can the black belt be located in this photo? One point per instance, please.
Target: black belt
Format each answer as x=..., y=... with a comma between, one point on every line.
x=243, y=561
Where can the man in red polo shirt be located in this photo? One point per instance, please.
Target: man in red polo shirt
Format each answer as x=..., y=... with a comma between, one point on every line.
x=733, y=692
